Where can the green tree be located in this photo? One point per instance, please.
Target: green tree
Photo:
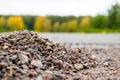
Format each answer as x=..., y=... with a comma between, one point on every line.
x=84, y=24
x=54, y=19
x=72, y=25
x=2, y=24
x=56, y=27
x=64, y=27
x=99, y=22
x=29, y=22
x=15, y=23
x=79, y=19
x=42, y=24
x=114, y=16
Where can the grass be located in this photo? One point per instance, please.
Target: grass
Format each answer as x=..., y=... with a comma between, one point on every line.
x=87, y=30
x=93, y=30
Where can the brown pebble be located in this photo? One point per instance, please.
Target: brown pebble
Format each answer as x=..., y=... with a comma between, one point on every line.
x=78, y=66
x=47, y=76
x=5, y=47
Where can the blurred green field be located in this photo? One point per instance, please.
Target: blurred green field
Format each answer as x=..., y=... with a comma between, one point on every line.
x=93, y=30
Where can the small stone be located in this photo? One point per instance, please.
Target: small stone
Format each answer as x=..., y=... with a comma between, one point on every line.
x=32, y=73
x=39, y=78
x=36, y=63
x=65, y=64
x=24, y=66
x=13, y=57
x=48, y=43
x=93, y=57
x=78, y=66
x=58, y=63
x=20, y=71
x=5, y=47
x=47, y=71
x=112, y=79
x=10, y=74
x=1, y=75
x=4, y=64
x=76, y=78
x=57, y=73
x=23, y=58
x=47, y=76
x=25, y=53
x=106, y=64
x=13, y=40
x=4, y=53
x=52, y=67
x=39, y=70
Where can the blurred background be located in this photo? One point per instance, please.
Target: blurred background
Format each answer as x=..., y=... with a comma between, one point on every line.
x=88, y=16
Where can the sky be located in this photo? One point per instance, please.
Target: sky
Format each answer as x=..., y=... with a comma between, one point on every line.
x=55, y=7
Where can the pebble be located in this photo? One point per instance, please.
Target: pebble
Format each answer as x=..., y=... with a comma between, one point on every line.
x=23, y=58
x=4, y=53
x=36, y=63
x=5, y=47
x=39, y=78
x=93, y=57
x=1, y=75
x=4, y=64
x=106, y=64
x=47, y=71
x=78, y=66
x=32, y=73
x=13, y=57
x=47, y=76
x=25, y=53
x=21, y=71
x=24, y=66
x=112, y=79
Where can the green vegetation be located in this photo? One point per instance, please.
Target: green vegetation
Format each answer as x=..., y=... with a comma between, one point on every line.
x=42, y=24
x=98, y=23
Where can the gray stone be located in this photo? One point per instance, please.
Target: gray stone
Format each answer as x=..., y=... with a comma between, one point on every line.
x=36, y=63
x=23, y=58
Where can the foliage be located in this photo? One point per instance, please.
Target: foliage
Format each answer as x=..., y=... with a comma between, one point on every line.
x=56, y=27
x=99, y=21
x=29, y=22
x=2, y=23
x=15, y=23
x=84, y=24
x=63, y=27
x=42, y=24
x=114, y=16
x=72, y=25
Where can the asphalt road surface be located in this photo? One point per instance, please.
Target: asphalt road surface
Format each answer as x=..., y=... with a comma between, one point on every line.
x=81, y=39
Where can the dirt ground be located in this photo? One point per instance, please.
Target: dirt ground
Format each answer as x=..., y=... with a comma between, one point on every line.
x=108, y=64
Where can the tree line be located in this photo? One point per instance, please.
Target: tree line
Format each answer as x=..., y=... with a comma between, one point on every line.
x=98, y=23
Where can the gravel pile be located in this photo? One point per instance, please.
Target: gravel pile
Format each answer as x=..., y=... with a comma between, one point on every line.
x=26, y=56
